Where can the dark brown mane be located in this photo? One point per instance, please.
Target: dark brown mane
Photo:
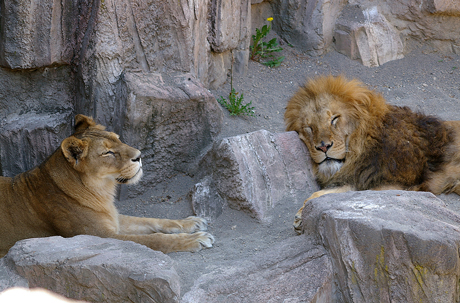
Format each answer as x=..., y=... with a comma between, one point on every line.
x=403, y=150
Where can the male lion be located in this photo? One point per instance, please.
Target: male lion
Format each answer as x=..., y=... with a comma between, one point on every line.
x=359, y=142
x=72, y=193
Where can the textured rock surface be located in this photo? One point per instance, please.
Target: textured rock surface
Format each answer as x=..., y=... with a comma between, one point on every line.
x=367, y=35
x=76, y=56
x=255, y=171
x=307, y=25
x=171, y=120
x=206, y=201
x=292, y=271
x=37, y=33
x=43, y=91
x=389, y=246
x=27, y=140
x=93, y=269
x=310, y=25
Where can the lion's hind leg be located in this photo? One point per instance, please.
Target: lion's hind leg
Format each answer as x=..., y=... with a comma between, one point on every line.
x=136, y=225
x=298, y=216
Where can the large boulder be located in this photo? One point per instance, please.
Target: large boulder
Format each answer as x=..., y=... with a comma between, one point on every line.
x=367, y=35
x=171, y=120
x=91, y=269
x=388, y=246
x=253, y=172
x=294, y=270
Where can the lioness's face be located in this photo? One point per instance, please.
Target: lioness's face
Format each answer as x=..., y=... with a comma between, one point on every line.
x=325, y=129
x=101, y=155
x=110, y=158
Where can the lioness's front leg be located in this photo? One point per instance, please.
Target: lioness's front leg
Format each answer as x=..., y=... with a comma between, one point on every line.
x=317, y=194
x=171, y=242
x=138, y=226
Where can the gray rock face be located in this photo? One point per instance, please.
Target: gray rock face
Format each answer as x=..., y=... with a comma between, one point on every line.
x=255, y=171
x=313, y=25
x=82, y=58
x=170, y=120
x=292, y=271
x=389, y=246
x=36, y=34
x=27, y=140
x=206, y=201
x=92, y=269
x=230, y=30
x=307, y=25
x=367, y=35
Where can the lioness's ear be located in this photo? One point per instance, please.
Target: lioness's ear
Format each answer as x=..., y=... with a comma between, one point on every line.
x=74, y=150
x=82, y=122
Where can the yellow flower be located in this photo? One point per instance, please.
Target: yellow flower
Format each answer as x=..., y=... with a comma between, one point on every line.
x=270, y=19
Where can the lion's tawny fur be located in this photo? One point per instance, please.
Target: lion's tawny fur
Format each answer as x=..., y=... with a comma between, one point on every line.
x=385, y=144
x=73, y=191
x=357, y=141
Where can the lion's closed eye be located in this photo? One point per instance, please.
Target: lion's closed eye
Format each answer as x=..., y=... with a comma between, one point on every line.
x=108, y=153
x=308, y=130
x=334, y=120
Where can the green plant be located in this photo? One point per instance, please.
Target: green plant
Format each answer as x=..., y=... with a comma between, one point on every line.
x=235, y=104
x=264, y=50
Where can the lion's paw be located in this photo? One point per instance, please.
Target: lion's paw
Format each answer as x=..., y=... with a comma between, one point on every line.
x=298, y=222
x=206, y=239
x=201, y=239
x=192, y=224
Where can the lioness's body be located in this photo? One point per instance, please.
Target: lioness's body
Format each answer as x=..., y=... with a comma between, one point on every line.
x=357, y=141
x=72, y=193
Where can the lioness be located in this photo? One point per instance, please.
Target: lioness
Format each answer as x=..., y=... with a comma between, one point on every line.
x=358, y=142
x=73, y=191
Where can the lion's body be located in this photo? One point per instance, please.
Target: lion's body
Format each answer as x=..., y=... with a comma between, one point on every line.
x=359, y=142
x=73, y=191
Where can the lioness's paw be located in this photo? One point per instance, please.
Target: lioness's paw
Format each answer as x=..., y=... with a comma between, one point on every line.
x=206, y=239
x=192, y=224
x=298, y=221
x=201, y=239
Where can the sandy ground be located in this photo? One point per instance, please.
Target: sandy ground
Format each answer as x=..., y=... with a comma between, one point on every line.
x=426, y=82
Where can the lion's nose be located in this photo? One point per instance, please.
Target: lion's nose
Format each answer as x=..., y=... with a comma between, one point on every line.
x=324, y=147
x=138, y=159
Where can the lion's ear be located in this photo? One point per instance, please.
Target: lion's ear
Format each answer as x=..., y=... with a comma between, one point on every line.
x=74, y=150
x=82, y=122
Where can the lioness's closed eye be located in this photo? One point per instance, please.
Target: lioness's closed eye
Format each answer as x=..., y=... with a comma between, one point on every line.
x=73, y=191
x=358, y=142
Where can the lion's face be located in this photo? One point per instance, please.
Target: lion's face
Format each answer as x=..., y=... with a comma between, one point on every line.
x=325, y=129
x=100, y=155
x=334, y=116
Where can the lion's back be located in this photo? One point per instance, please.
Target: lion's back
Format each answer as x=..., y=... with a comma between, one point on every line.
x=406, y=147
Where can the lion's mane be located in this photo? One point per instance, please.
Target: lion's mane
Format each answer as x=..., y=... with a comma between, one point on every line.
x=389, y=145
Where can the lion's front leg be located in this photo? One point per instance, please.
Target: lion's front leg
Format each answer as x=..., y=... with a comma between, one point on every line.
x=138, y=226
x=298, y=216
x=171, y=242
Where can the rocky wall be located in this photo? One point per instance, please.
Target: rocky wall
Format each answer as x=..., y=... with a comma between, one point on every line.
x=60, y=58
